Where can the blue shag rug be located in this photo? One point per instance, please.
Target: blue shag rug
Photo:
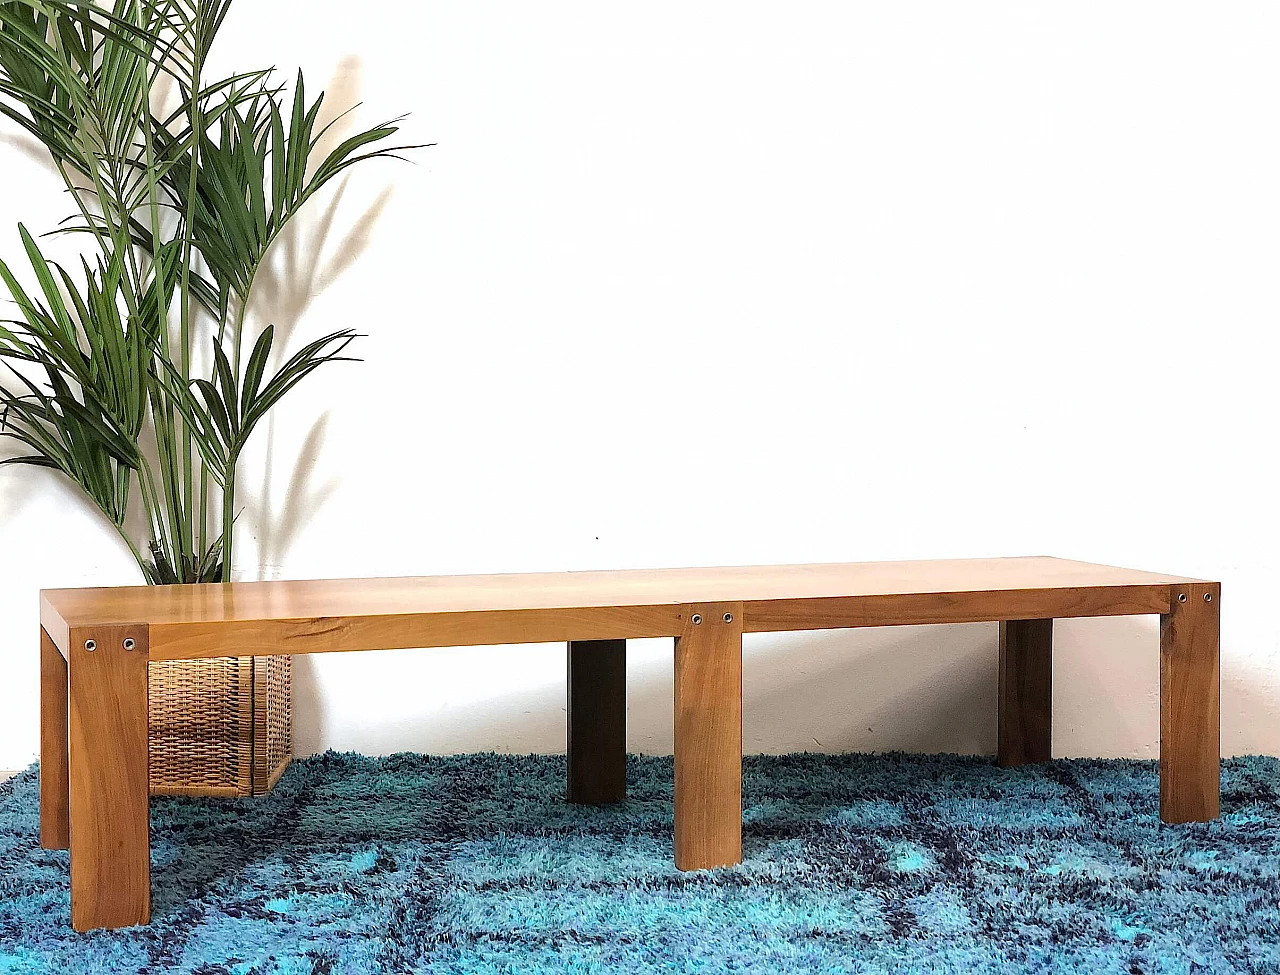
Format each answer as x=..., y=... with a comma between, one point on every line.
x=854, y=863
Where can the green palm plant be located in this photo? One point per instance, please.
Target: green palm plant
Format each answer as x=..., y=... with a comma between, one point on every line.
x=181, y=184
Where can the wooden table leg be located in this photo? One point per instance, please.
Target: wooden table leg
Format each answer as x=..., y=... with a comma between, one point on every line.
x=110, y=846
x=597, y=721
x=708, y=713
x=1190, y=718
x=1026, y=692
x=55, y=817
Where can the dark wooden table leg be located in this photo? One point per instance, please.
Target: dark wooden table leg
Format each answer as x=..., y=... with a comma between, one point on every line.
x=1190, y=718
x=55, y=817
x=708, y=727
x=110, y=846
x=1026, y=692
x=596, y=716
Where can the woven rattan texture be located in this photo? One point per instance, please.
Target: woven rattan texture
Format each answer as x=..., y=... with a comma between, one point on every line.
x=219, y=727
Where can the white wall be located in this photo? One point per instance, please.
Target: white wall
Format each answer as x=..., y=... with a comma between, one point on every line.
x=730, y=283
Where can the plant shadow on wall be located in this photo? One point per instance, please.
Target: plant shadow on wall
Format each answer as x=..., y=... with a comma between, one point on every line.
x=304, y=261
x=140, y=375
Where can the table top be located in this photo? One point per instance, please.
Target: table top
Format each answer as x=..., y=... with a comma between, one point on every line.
x=328, y=598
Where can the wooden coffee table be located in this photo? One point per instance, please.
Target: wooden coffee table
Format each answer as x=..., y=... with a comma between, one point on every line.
x=95, y=645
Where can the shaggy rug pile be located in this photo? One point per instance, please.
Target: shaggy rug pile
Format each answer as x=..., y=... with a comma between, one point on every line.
x=854, y=863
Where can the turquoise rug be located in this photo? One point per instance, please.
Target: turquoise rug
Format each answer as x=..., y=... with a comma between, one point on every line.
x=854, y=863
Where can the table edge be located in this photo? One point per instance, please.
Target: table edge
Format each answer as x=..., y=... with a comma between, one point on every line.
x=265, y=637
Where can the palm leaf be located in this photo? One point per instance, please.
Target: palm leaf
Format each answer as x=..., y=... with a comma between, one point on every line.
x=183, y=207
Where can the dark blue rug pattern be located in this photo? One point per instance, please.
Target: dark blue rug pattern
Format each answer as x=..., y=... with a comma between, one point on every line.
x=854, y=863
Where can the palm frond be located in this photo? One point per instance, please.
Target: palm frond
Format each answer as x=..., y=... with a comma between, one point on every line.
x=182, y=205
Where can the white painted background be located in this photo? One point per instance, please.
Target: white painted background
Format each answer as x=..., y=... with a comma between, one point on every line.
x=698, y=283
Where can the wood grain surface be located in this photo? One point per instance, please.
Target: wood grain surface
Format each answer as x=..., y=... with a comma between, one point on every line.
x=1026, y=692
x=1190, y=719
x=708, y=738
x=596, y=721
x=316, y=616
x=110, y=845
x=55, y=814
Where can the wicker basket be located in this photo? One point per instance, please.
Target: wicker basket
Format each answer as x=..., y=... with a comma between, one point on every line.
x=219, y=727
